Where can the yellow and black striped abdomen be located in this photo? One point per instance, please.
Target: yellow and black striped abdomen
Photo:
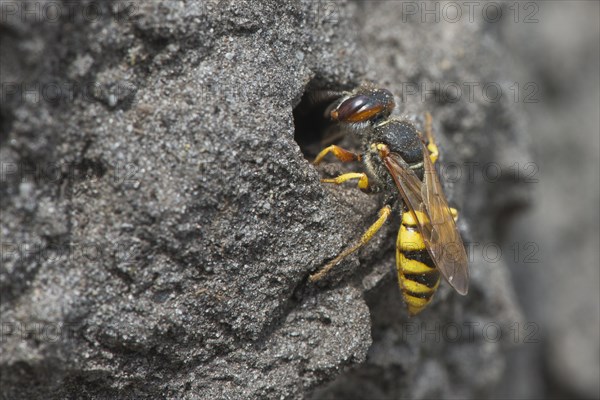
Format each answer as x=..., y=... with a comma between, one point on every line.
x=417, y=275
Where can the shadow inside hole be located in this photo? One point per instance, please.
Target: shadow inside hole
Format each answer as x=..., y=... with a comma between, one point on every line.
x=314, y=130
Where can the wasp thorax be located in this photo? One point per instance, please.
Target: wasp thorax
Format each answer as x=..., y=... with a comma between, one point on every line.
x=367, y=106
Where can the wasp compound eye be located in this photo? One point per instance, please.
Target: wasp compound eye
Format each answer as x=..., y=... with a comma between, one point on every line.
x=364, y=107
x=356, y=109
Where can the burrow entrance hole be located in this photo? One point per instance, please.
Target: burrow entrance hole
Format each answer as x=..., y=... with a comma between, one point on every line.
x=313, y=128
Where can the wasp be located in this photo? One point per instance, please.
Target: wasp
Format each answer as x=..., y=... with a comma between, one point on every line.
x=399, y=162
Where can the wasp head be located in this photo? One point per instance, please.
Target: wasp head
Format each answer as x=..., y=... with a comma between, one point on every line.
x=369, y=105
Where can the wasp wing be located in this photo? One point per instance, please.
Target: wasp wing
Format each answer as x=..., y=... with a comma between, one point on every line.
x=427, y=202
x=445, y=241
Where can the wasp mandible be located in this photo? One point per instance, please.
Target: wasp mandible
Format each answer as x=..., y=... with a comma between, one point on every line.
x=400, y=160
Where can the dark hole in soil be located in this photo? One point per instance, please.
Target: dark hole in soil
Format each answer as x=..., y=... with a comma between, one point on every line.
x=314, y=129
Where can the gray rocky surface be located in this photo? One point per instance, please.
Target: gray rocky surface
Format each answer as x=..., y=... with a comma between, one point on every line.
x=159, y=219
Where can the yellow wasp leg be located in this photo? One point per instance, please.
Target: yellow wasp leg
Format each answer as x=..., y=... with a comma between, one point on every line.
x=341, y=154
x=384, y=213
x=454, y=213
x=431, y=146
x=363, y=180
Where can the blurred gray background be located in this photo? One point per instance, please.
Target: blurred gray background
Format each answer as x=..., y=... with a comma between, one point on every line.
x=561, y=292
